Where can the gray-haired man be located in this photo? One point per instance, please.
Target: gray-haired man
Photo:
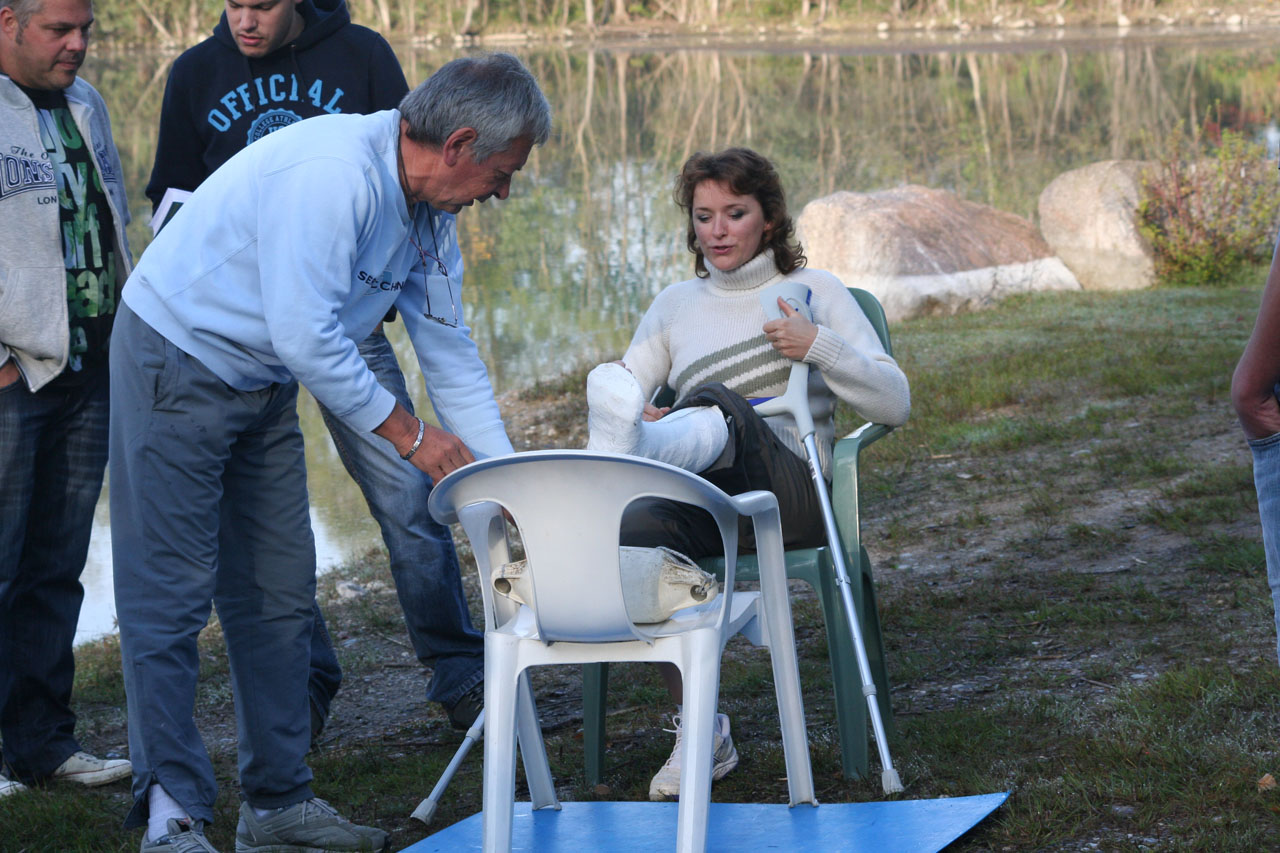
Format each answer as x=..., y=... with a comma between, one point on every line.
x=279, y=263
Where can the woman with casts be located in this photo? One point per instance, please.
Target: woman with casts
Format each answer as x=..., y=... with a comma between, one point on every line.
x=710, y=340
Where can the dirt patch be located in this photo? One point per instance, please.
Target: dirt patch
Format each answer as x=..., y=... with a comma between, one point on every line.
x=924, y=532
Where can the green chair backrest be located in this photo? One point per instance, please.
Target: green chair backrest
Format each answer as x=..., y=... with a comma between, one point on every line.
x=875, y=313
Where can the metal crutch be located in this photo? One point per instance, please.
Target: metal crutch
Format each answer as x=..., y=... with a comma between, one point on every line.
x=426, y=809
x=796, y=403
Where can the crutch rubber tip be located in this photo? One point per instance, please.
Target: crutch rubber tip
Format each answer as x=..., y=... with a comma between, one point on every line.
x=890, y=782
x=425, y=810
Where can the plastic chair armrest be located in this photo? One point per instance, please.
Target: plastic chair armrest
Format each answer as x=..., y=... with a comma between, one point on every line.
x=865, y=435
x=756, y=503
x=771, y=565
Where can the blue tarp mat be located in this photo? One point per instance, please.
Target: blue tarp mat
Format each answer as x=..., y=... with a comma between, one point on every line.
x=901, y=826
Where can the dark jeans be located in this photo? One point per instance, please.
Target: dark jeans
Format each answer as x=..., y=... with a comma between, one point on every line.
x=757, y=460
x=424, y=564
x=53, y=448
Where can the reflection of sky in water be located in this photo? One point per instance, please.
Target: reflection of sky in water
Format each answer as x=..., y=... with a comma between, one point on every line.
x=334, y=546
x=98, y=612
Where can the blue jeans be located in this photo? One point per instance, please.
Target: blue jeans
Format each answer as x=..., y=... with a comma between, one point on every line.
x=1266, y=479
x=53, y=448
x=423, y=561
x=209, y=506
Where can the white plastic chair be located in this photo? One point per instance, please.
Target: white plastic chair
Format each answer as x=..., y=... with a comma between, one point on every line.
x=568, y=506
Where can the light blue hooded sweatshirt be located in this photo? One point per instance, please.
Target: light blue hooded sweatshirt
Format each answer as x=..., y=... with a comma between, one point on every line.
x=293, y=251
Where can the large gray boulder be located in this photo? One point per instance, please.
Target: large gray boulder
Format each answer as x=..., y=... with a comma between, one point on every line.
x=1089, y=217
x=926, y=251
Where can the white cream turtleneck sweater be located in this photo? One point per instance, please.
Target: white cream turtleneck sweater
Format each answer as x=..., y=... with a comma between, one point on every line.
x=711, y=330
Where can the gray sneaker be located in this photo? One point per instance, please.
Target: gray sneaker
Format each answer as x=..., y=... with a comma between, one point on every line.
x=312, y=826
x=183, y=837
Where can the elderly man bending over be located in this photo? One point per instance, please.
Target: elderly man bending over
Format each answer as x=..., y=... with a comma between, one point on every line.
x=279, y=263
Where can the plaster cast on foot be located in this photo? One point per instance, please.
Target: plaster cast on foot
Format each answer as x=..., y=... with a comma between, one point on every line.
x=615, y=404
x=691, y=438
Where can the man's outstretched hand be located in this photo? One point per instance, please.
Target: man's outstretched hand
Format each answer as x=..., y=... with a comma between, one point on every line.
x=438, y=454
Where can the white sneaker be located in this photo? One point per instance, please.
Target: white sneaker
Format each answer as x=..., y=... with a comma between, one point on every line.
x=666, y=783
x=10, y=786
x=91, y=771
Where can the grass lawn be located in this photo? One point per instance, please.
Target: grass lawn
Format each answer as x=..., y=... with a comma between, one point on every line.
x=1071, y=584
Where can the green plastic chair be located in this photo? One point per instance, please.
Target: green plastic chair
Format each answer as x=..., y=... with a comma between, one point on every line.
x=814, y=566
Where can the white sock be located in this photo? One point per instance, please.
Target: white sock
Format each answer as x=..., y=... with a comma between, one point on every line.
x=161, y=807
x=690, y=438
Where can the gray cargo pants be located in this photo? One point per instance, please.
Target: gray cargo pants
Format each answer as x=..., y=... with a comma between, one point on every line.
x=208, y=504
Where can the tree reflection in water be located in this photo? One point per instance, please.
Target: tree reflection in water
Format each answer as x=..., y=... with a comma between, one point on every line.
x=560, y=273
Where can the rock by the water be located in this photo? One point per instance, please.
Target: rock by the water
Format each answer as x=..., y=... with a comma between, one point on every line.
x=926, y=251
x=1089, y=217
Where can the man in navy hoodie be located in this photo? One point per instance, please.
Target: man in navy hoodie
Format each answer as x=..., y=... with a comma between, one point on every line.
x=271, y=63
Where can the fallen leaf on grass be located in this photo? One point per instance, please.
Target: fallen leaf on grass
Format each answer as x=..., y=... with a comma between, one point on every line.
x=1267, y=782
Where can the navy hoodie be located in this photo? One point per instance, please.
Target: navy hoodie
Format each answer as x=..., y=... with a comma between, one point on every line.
x=218, y=100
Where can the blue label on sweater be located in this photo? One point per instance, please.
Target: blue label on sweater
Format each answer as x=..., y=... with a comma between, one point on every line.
x=270, y=122
x=266, y=92
x=379, y=281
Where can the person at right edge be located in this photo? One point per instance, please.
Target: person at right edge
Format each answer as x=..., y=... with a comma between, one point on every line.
x=1253, y=393
x=710, y=339
x=268, y=65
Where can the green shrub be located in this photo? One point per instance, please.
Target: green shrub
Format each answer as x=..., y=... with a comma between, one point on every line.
x=1208, y=214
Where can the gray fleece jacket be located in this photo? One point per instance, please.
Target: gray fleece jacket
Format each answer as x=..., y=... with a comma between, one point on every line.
x=34, y=329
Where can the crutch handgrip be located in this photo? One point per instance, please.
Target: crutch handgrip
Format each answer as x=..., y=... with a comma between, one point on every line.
x=795, y=401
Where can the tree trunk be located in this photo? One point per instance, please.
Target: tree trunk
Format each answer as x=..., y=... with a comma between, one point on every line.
x=468, y=14
x=408, y=17
x=165, y=36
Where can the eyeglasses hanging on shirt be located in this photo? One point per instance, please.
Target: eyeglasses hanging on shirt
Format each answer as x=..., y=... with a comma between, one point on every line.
x=416, y=240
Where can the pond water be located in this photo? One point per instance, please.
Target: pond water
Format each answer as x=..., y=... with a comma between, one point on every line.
x=559, y=274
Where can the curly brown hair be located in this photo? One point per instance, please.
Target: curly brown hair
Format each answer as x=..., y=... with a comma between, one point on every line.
x=744, y=172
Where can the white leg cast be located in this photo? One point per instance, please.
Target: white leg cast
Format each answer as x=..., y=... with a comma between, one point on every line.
x=691, y=438
x=615, y=404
